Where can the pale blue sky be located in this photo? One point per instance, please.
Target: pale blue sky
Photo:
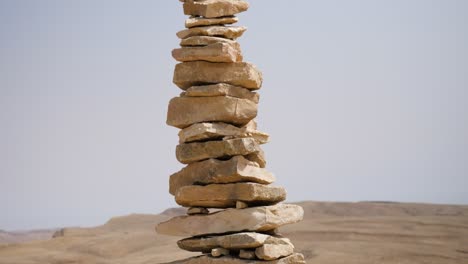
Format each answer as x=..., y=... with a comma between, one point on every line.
x=364, y=100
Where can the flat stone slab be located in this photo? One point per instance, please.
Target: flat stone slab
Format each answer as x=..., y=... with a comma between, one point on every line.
x=295, y=258
x=200, y=41
x=191, y=152
x=217, y=130
x=188, y=74
x=221, y=89
x=231, y=32
x=245, y=240
x=201, y=21
x=185, y=111
x=214, y=8
x=216, y=52
x=226, y=195
x=256, y=219
x=211, y=171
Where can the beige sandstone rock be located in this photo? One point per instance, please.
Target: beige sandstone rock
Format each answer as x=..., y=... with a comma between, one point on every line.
x=257, y=157
x=213, y=31
x=241, y=205
x=201, y=21
x=236, y=169
x=252, y=125
x=245, y=240
x=197, y=210
x=217, y=52
x=214, y=8
x=185, y=111
x=226, y=195
x=213, y=131
x=200, y=41
x=218, y=252
x=293, y=259
x=262, y=218
x=274, y=248
x=188, y=74
x=221, y=89
x=247, y=254
x=191, y=152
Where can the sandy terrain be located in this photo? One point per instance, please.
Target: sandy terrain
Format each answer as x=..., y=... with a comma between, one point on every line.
x=331, y=233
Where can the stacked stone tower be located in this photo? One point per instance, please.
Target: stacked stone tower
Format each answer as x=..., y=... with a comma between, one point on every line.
x=220, y=144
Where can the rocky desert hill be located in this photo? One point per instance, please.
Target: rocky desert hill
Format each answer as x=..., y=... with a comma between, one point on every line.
x=25, y=236
x=365, y=232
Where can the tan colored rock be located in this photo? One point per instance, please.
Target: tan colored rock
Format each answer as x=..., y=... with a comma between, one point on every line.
x=211, y=171
x=217, y=52
x=252, y=125
x=227, y=195
x=214, y=8
x=185, y=111
x=241, y=205
x=197, y=210
x=245, y=240
x=272, y=252
x=213, y=31
x=218, y=252
x=201, y=21
x=221, y=89
x=262, y=218
x=234, y=241
x=274, y=248
x=213, y=131
x=257, y=157
x=247, y=254
x=191, y=152
x=188, y=74
x=293, y=259
x=200, y=41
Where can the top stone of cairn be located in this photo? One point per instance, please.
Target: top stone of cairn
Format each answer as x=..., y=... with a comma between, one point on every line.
x=214, y=8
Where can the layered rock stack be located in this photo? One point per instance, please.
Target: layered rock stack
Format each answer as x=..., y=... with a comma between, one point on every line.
x=220, y=144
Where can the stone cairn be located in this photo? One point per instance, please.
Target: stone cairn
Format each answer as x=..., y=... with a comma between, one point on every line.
x=220, y=144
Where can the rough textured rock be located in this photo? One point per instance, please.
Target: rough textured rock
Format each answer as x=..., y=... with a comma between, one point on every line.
x=272, y=252
x=218, y=252
x=213, y=131
x=226, y=195
x=221, y=89
x=245, y=240
x=215, y=8
x=191, y=152
x=236, y=169
x=293, y=259
x=262, y=218
x=274, y=248
x=241, y=205
x=185, y=111
x=188, y=74
x=197, y=210
x=257, y=157
x=213, y=31
x=252, y=125
x=200, y=41
x=201, y=21
x=247, y=254
x=217, y=52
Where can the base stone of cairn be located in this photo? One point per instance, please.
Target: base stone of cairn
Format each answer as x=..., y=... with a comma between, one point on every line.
x=220, y=145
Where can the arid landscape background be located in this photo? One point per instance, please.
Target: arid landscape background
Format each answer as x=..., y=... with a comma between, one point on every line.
x=364, y=232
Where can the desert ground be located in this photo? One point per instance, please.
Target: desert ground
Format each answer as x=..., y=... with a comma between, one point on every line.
x=351, y=233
